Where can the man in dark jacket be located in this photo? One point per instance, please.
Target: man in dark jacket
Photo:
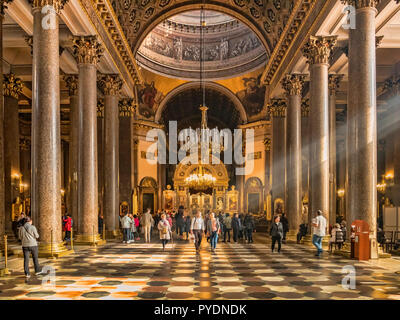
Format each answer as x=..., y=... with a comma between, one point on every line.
x=236, y=226
x=249, y=226
x=285, y=225
x=221, y=222
x=180, y=223
x=276, y=233
x=302, y=232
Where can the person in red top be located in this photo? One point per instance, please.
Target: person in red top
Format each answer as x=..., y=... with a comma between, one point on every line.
x=67, y=225
x=136, y=219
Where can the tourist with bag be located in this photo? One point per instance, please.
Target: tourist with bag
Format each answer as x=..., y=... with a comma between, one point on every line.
x=165, y=230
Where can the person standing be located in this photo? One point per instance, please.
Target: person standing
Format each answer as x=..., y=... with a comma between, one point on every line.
x=165, y=230
x=188, y=221
x=197, y=228
x=100, y=223
x=179, y=222
x=285, y=225
x=236, y=227
x=276, y=233
x=249, y=227
x=228, y=226
x=213, y=229
x=28, y=235
x=319, y=231
x=137, y=223
x=147, y=221
x=126, y=222
x=220, y=218
x=67, y=225
x=242, y=231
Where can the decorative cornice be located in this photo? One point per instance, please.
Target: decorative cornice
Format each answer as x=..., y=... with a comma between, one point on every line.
x=318, y=49
x=58, y=5
x=127, y=107
x=87, y=49
x=358, y=4
x=293, y=84
x=267, y=144
x=100, y=108
x=305, y=108
x=3, y=6
x=110, y=84
x=277, y=108
x=334, y=81
x=12, y=86
x=72, y=84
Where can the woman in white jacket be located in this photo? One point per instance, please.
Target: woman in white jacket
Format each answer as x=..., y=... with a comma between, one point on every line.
x=165, y=230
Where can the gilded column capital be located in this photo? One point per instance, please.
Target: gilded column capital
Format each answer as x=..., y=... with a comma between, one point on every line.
x=277, y=108
x=87, y=49
x=293, y=84
x=110, y=84
x=127, y=107
x=100, y=108
x=305, y=108
x=3, y=6
x=318, y=49
x=58, y=5
x=334, y=81
x=71, y=80
x=267, y=144
x=12, y=86
x=358, y=4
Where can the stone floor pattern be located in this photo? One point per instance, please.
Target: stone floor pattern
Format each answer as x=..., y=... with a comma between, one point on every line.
x=235, y=271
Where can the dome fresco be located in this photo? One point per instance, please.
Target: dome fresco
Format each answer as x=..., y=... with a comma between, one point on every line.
x=173, y=47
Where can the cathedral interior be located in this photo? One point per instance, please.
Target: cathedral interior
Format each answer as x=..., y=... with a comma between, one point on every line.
x=90, y=90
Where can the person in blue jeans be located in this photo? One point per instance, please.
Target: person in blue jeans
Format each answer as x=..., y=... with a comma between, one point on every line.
x=213, y=229
x=319, y=231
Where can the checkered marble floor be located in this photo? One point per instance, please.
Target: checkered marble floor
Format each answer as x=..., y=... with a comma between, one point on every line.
x=235, y=271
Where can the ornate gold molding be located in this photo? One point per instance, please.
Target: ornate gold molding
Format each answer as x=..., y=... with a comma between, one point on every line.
x=267, y=144
x=358, y=4
x=318, y=49
x=100, y=108
x=3, y=6
x=293, y=84
x=58, y=5
x=305, y=108
x=110, y=84
x=87, y=49
x=72, y=84
x=12, y=86
x=333, y=84
x=277, y=108
x=127, y=107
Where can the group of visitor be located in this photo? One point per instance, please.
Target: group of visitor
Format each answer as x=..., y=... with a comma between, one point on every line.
x=130, y=224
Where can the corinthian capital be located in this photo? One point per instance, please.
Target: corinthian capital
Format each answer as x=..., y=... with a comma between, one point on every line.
x=293, y=84
x=267, y=144
x=110, y=84
x=334, y=81
x=58, y=5
x=318, y=49
x=12, y=86
x=87, y=49
x=3, y=6
x=71, y=81
x=127, y=107
x=100, y=108
x=277, y=108
x=358, y=4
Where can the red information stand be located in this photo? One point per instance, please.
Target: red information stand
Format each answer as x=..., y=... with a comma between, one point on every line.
x=361, y=240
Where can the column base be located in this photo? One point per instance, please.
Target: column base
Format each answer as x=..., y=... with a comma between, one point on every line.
x=113, y=234
x=57, y=250
x=89, y=240
x=4, y=272
x=291, y=236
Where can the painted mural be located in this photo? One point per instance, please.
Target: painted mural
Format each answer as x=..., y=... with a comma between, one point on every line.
x=149, y=99
x=252, y=96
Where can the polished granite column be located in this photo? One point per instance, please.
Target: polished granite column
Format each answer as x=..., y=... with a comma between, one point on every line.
x=12, y=88
x=111, y=86
x=317, y=51
x=100, y=152
x=293, y=86
x=46, y=150
x=267, y=177
x=72, y=85
x=87, y=51
x=362, y=134
x=334, y=81
x=278, y=113
x=341, y=178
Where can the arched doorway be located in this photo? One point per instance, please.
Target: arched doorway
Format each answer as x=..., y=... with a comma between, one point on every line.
x=254, y=195
x=148, y=194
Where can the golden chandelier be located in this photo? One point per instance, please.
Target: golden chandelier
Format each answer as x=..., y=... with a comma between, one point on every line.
x=200, y=180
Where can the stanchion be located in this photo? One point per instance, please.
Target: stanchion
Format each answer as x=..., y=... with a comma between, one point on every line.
x=72, y=238
x=5, y=271
x=104, y=231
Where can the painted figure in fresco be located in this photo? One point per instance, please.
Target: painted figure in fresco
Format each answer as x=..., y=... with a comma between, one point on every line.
x=147, y=99
x=252, y=97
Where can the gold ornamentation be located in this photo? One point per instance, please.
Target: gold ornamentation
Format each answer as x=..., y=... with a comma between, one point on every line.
x=100, y=108
x=318, y=49
x=3, y=6
x=267, y=144
x=277, y=108
x=72, y=84
x=12, y=86
x=127, y=108
x=87, y=49
x=110, y=84
x=305, y=108
x=293, y=84
x=358, y=4
x=334, y=81
x=58, y=5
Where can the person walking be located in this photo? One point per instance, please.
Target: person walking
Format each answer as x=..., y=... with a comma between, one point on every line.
x=165, y=230
x=28, y=235
x=133, y=228
x=285, y=224
x=213, y=229
x=220, y=218
x=67, y=225
x=276, y=233
x=228, y=226
x=236, y=227
x=249, y=227
x=242, y=231
x=197, y=228
x=100, y=223
x=319, y=231
x=146, y=222
x=188, y=221
x=126, y=222
x=137, y=224
x=180, y=223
